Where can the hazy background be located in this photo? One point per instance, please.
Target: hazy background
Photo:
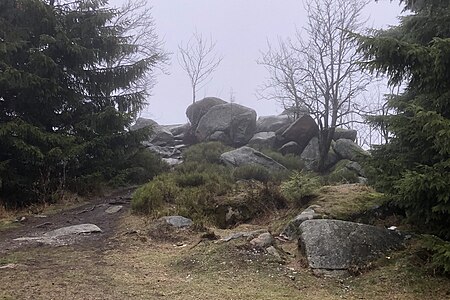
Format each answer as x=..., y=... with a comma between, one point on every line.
x=241, y=29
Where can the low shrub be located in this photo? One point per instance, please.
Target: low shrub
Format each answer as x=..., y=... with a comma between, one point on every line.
x=205, y=152
x=253, y=171
x=290, y=161
x=188, y=187
x=87, y=184
x=301, y=188
x=190, y=180
x=270, y=198
x=155, y=194
x=144, y=165
x=440, y=253
x=139, y=168
x=197, y=203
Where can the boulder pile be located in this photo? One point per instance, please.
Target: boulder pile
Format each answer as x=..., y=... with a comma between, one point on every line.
x=213, y=119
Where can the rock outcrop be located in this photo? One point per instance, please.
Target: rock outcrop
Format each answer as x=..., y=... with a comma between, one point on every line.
x=248, y=156
x=160, y=136
x=301, y=132
x=290, y=148
x=229, y=123
x=340, y=245
x=291, y=231
x=263, y=140
x=341, y=133
x=346, y=149
x=177, y=130
x=197, y=110
x=272, y=123
x=346, y=171
x=311, y=156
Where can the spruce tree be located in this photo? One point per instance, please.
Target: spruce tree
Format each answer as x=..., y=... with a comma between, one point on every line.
x=414, y=166
x=63, y=112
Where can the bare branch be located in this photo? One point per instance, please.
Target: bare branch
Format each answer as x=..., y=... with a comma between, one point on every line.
x=199, y=60
x=134, y=22
x=319, y=69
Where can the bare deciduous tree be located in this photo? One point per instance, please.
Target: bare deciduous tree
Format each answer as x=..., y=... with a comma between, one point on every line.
x=320, y=68
x=134, y=21
x=286, y=77
x=199, y=60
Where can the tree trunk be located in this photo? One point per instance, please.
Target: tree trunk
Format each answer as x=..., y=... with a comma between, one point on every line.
x=325, y=138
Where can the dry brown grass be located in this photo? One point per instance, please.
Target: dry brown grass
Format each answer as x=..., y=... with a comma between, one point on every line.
x=66, y=201
x=144, y=261
x=342, y=201
x=137, y=266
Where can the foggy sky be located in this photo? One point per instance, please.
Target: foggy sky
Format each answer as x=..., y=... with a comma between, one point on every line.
x=241, y=29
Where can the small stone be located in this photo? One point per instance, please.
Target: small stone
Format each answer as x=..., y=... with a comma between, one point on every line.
x=263, y=240
x=40, y=216
x=113, y=209
x=20, y=219
x=178, y=221
x=273, y=251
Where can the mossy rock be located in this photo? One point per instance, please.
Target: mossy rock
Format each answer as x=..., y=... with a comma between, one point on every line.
x=343, y=173
x=227, y=216
x=249, y=199
x=347, y=201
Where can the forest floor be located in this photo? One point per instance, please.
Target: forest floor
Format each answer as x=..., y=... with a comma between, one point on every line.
x=132, y=259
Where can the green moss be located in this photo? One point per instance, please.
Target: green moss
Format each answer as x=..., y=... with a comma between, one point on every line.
x=347, y=200
x=301, y=188
x=340, y=173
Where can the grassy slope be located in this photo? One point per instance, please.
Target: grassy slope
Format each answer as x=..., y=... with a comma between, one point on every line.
x=172, y=265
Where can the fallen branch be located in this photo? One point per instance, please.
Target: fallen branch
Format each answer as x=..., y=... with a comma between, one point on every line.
x=43, y=225
x=86, y=210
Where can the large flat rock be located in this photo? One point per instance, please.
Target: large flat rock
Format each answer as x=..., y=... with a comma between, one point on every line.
x=62, y=236
x=249, y=156
x=339, y=245
x=75, y=229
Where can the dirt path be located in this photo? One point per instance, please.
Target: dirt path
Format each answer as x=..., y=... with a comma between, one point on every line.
x=93, y=212
x=133, y=259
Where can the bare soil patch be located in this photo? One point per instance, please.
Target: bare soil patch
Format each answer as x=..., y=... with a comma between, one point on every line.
x=134, y=259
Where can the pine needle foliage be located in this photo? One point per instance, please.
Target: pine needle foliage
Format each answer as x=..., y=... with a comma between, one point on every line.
x=63, y=110
x=414, y=166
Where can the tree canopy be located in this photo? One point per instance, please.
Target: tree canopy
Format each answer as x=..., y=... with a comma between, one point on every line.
x=63, y=109
x=414, y=166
